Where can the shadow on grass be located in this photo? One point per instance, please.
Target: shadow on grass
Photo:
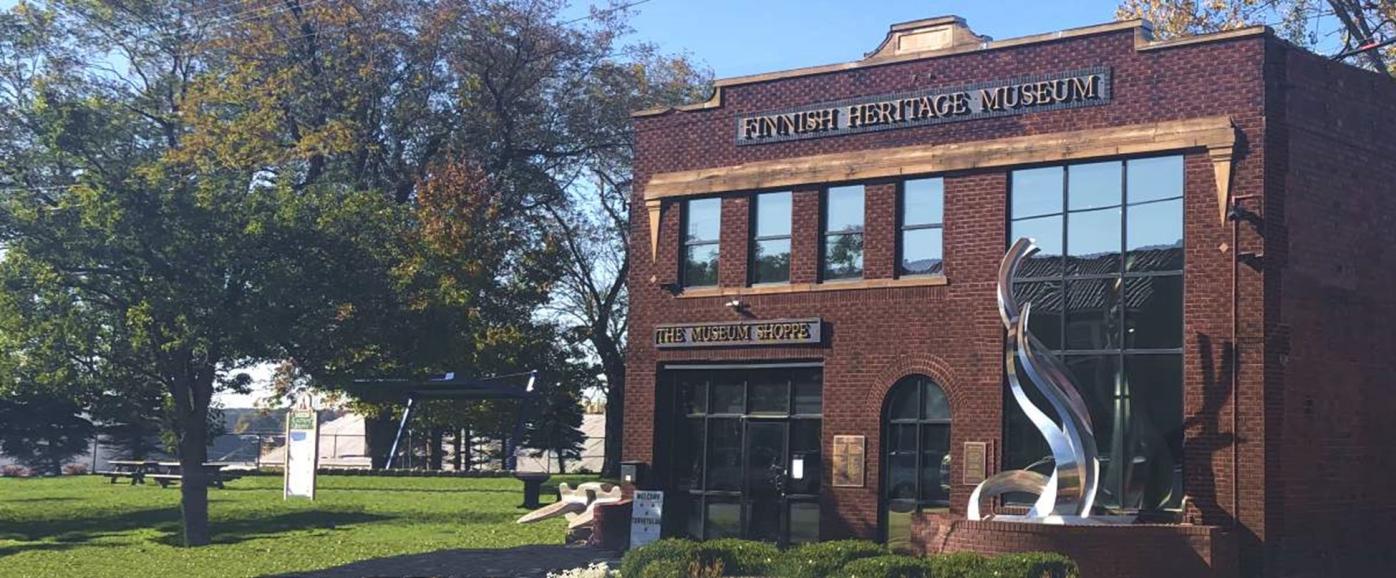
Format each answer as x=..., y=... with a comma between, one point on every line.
x=57, y=534
x=523, y=561
x=233, y=531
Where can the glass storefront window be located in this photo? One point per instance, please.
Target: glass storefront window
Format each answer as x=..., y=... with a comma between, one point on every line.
x=702, y=230
x=734, y=452
x=1107, y=294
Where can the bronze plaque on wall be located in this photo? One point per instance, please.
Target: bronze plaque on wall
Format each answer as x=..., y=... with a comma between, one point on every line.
x=976, y=456
x=849, y=461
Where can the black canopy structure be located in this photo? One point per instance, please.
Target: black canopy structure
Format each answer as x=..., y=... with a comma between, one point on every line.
x=448, y=386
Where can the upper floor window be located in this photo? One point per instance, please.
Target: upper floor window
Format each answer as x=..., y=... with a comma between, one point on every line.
x=770, y=242
x=702, y=228
x=843, y=233
x=921, y=217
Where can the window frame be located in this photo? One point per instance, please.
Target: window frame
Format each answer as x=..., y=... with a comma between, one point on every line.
x=921, y=423
x=1122, y=353
x=825, y=233
x=903, y=228
x=686, y=246
x=755, y=238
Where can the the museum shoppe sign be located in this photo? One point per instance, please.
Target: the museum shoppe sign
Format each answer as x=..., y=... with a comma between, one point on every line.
x=773, y=332
x=929, y=106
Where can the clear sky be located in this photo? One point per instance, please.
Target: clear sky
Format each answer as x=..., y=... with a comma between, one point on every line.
x=737, y=37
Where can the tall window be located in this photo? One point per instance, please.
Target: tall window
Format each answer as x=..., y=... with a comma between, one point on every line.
x=921, y=215
x=843, y=233
x=770, y=243
x=916, y=454
x=1107, y=296
x=702, y=227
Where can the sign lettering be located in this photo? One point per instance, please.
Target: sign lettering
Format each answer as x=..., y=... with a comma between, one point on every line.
x=775, y=332
x=929, y=106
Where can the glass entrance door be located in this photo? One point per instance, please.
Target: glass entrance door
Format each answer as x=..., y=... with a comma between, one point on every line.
x=766, y=472
x=744, y=452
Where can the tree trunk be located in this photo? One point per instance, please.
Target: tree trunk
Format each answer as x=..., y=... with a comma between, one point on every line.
x=378, y=439
x=456, y=456
x=613, y=365
x=193, y=486
x=435, y=443
x=192, y=390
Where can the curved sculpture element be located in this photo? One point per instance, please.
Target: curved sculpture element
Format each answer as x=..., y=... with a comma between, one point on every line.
x=577, y=505
x=1069, y=493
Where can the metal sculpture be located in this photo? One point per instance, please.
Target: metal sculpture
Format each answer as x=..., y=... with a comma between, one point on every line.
x=577, y=505
x=1068, y=494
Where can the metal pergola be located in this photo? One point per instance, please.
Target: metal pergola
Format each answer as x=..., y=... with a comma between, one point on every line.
x=449, y=386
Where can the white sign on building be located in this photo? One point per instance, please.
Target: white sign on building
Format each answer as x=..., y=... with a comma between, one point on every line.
x=302, y=450
x=647, y=512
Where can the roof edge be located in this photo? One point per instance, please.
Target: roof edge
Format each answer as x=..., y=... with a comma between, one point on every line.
x=1143, y=41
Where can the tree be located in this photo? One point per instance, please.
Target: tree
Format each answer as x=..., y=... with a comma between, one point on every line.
x=592, y=220
x=1367, y=28
x=42, y=431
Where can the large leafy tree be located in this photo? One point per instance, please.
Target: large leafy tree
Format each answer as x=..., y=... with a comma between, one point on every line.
x=358, y=188
x=1365, y=30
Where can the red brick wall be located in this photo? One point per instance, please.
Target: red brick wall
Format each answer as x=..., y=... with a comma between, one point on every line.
x=1136, y=551
x=952, y=333
x=1330, y=221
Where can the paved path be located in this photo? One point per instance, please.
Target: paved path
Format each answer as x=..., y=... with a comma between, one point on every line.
x=524, y=561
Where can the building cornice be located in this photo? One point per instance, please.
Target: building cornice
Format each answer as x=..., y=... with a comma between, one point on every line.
x=1143, y=42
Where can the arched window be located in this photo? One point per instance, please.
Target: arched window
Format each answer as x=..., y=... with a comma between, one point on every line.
x=915, y=454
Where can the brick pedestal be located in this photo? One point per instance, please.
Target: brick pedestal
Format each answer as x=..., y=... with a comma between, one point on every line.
x=1106, y=551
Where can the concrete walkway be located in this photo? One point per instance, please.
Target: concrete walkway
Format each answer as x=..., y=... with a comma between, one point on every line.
x=524, y=561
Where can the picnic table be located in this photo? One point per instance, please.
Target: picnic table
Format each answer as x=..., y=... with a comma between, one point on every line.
x=164, y=473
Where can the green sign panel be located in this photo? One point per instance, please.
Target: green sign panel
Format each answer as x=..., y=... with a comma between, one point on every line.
x=303, y=420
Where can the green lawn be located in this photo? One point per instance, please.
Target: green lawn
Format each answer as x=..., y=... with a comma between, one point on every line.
x=83, y=526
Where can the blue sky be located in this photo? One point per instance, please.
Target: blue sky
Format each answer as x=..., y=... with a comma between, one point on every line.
x=737, y=37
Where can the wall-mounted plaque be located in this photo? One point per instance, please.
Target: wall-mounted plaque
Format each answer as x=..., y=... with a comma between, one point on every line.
x=976, y=456
x=849, y=461
x=772, y=332
x=930, y=105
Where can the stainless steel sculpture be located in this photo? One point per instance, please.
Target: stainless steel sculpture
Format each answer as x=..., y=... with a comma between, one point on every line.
x=1067, y=496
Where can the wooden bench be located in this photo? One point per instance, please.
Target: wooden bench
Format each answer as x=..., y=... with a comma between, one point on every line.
x=172, y=474
x=136, y=477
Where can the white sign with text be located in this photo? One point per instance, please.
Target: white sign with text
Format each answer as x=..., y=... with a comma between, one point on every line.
x=302, y=451
x=647, y=514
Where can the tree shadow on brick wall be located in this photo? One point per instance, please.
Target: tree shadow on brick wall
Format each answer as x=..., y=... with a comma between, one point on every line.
x=1212, y=441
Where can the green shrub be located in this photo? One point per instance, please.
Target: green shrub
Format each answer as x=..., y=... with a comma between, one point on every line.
x=822, y=559
x=739, y=557
x=958, y=565
x=1032, y=565
x=663, y=569
x=669, y=549
x=888, y=566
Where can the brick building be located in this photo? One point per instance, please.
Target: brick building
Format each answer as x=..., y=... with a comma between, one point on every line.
x=816, y=349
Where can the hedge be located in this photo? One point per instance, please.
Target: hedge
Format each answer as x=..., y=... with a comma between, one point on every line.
x=680, y=552
x=1032, y=565
x=739, y=557
x=958, y=565
x=822, y=559
x=888, y=566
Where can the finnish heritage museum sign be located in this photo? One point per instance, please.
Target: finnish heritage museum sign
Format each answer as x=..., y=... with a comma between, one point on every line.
x=773, y=332
x=929, y=106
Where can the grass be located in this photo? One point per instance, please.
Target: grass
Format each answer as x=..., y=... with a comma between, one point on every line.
x=84, y=526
